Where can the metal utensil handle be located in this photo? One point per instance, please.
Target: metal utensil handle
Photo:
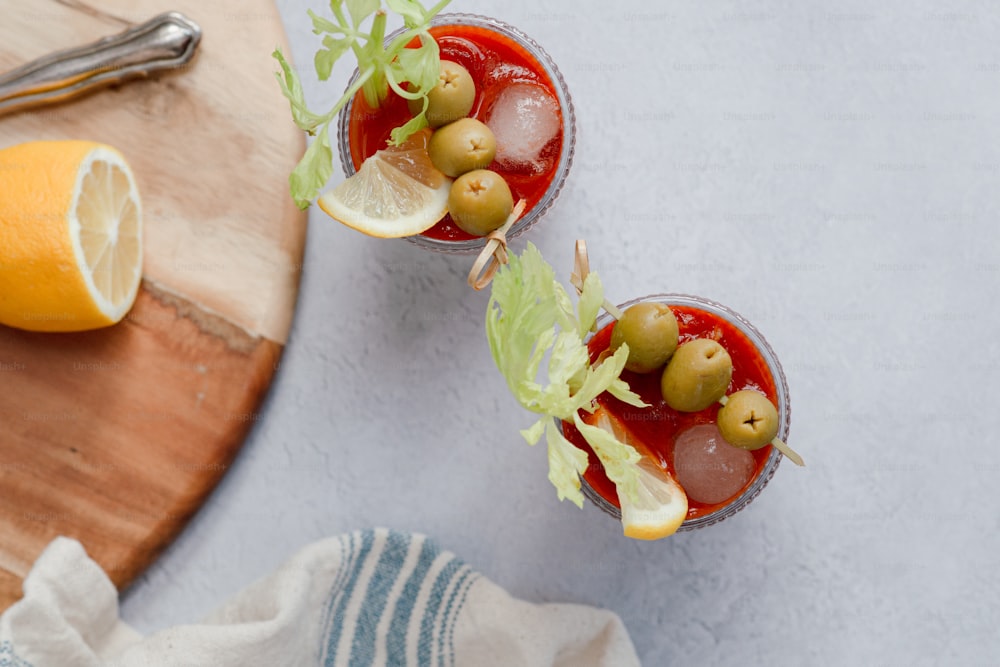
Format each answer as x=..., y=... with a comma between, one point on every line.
x=164, y=42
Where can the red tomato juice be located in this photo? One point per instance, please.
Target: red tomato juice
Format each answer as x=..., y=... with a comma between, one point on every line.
x=657, y=426
x=494, y=61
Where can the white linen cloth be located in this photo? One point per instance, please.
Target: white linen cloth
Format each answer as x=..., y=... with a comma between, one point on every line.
x=374, y=597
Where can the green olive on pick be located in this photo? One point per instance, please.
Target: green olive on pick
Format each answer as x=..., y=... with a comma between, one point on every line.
x=450, y=99
x=748, y=420
x=480, y=201
x=650, y=331
x=697, y=375
x=462, y=146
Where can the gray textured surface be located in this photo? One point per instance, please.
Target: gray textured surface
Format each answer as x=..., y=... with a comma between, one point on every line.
x=828, y=170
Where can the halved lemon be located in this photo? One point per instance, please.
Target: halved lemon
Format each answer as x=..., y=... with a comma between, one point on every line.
x=662, y=504
x=397, y=192
x=70, y=236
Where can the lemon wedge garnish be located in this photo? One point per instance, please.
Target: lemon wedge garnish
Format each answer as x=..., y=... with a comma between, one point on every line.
x=70, y=236
x=660, y=505
x=397, y=192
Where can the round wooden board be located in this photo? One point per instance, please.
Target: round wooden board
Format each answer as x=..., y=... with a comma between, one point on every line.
x=116, y=437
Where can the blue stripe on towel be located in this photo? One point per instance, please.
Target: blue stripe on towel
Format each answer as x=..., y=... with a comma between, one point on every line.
x=8, y=658
x=433, y=605
x=346, y=544
x=367, y=539
x=440, y=614
x=386, y=572
x=458, y=611
x=396, y=641
x=445, y=624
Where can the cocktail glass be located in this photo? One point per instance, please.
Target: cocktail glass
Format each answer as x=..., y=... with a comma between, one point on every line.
x=769, y=458
x=445, y=236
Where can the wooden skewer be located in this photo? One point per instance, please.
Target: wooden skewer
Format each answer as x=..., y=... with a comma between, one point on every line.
x=494, y=253
x=788, y=451
x=581, y=269
x=581, y=265
x=792, y=455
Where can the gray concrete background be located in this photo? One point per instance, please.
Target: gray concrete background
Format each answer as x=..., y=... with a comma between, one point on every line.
x=831, y=171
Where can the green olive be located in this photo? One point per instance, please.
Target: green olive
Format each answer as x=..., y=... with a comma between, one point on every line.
x=748, y=420
x=450, y=99
x=462, y=146
x=697, y=375
x=650, y=330
x=480, y=201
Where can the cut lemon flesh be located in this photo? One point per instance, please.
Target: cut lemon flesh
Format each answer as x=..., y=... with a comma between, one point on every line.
x=397, y=192
x=660, y=508
x=107, y=213
x=70, y=236
x=661, y=504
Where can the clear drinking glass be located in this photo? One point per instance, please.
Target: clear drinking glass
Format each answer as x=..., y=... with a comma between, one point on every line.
x=565, y=159
x=784, y=408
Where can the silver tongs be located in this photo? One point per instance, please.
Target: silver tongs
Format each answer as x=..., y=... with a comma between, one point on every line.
x=164, y=42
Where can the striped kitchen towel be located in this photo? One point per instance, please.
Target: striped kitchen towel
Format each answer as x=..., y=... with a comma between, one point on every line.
x=375, y=597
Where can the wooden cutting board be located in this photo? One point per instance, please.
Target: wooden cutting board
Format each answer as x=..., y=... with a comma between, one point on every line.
x=116, y=437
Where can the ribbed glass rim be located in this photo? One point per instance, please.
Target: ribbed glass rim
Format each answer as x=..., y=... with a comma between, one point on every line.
x=784, y=406
x=531, y=217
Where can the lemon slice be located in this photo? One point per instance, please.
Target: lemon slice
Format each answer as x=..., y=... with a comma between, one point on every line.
x=661, y=505
x=70, y=236
x=397, y=192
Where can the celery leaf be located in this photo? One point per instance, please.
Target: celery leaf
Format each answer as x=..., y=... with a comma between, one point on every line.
x=619, y=460
x=599, y=378
x=534, y=433
x=420, y=66
x=566, y=463
x=620, y=390
x=412, y=12
x=325, y=58
x=313, y=170
x=321, y=25
x=291, y=87
x=590, y=302
x=529, y=318
x=362, y=9
x=400, y=134
x=411, y=73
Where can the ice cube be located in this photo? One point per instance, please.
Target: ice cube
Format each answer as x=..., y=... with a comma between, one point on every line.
x=524, y=118
x=709, y=468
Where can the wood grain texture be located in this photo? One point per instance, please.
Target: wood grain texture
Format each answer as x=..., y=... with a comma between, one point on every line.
x=211, y=146
x=116, y=437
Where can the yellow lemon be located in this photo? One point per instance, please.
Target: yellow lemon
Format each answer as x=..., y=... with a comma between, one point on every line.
x=396, y=192
x=70, y=236
x=661, y=505
x=660, y=508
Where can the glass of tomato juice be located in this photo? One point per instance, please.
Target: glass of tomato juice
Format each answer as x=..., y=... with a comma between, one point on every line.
x=755, y=366
x=510, y=70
